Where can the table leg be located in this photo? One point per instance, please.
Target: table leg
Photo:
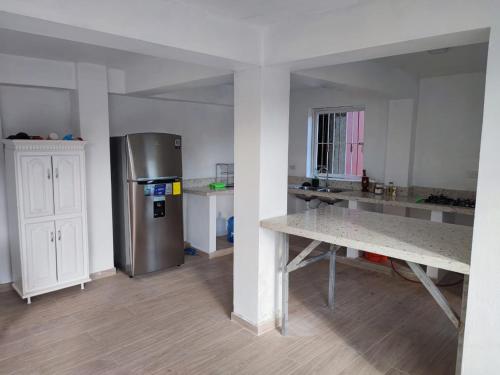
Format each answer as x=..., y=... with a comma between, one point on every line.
x=465, y=291
x=435, y=293
x=331, y=277
x=352, y=253
x=284, y=286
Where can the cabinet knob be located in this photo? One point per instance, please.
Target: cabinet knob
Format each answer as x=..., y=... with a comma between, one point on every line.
x=59, y=235
x=57, y=172
x=48, y=174
x=51, y=236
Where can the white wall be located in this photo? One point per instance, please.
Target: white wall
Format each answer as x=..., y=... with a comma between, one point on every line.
x=219, y=94
x=448, y=132
x=399, y=141
x=206, y=130
x=20, y=70
x=301, y=101
x=37, y=111
x=369, y=76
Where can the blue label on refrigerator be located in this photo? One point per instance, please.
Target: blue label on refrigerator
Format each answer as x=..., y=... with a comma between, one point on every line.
x=159, y=189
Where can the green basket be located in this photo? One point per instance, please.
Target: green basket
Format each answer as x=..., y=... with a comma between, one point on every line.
x=217, y=186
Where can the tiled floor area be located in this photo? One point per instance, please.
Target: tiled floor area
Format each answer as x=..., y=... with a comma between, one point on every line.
x=177, y=322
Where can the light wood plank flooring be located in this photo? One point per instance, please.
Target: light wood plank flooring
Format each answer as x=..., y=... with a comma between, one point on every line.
x=177, y=322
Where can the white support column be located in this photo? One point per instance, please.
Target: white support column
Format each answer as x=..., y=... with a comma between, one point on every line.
x=92, y=90
x=352, y=253
x=482, y=341
x=435, y=273
x=261, y=119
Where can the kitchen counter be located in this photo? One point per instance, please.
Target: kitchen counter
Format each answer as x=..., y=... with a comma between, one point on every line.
x=399, y=201
x=206, y=191
x=445, y=246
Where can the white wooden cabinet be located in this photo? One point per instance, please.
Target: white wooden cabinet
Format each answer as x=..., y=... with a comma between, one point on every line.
x=36, y=176
x=47, y=215
x=67, y=184
x=70, y=254
x=41, y=261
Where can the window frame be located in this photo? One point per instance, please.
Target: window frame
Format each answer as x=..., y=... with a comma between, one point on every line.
x=313, y=144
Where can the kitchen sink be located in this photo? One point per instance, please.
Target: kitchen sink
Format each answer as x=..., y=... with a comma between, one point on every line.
x=329, y=190
x=324, y=199
x=328, y=200
x=306, y=198
x=319, y=189
x=308, y=188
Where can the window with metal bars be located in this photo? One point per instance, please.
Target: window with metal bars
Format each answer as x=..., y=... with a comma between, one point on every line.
x=338, y=142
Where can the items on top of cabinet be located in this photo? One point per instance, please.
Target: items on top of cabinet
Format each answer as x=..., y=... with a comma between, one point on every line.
x=19, y=135
x=50, y=137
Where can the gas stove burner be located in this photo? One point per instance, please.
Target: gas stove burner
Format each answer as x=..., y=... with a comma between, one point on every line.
x=447, y=201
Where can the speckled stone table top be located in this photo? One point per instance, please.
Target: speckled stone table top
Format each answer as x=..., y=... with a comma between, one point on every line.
x=439, y=245
x=206, y=191
x=399, y=201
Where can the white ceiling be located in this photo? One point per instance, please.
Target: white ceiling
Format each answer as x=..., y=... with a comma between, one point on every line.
x=456, y=60
x=269, y=12
x=42, y=47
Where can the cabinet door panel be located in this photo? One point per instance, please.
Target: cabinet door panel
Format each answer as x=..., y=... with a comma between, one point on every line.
x=70, y=256
x=36, y=174
x=40, y=255
x=67, y=184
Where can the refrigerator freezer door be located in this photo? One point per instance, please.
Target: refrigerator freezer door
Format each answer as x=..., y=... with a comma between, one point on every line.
x=157, y=240
x=153, y=155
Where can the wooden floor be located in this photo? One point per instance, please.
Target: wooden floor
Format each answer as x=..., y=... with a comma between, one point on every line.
x=177, y=322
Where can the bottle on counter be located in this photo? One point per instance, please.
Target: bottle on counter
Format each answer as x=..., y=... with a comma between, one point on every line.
x=389, y=188
x=315, y=179
x=365, y=182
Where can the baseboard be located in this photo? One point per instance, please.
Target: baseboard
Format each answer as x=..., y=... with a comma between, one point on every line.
x=255, y=329
x=220, y=253
x=103, y=274
x=214, y=254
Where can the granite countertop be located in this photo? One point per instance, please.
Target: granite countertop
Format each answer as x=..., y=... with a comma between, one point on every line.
x=400, y=201
x=206, y=191
x=440, y=245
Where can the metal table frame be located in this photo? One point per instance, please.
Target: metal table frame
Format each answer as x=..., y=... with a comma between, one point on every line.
x=301, y=260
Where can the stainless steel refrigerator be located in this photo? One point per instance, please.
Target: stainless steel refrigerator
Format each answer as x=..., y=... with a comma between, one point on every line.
x=146, y=174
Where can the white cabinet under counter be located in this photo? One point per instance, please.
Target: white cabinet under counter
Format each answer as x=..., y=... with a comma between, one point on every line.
x=47, y=215
x=206, y=212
